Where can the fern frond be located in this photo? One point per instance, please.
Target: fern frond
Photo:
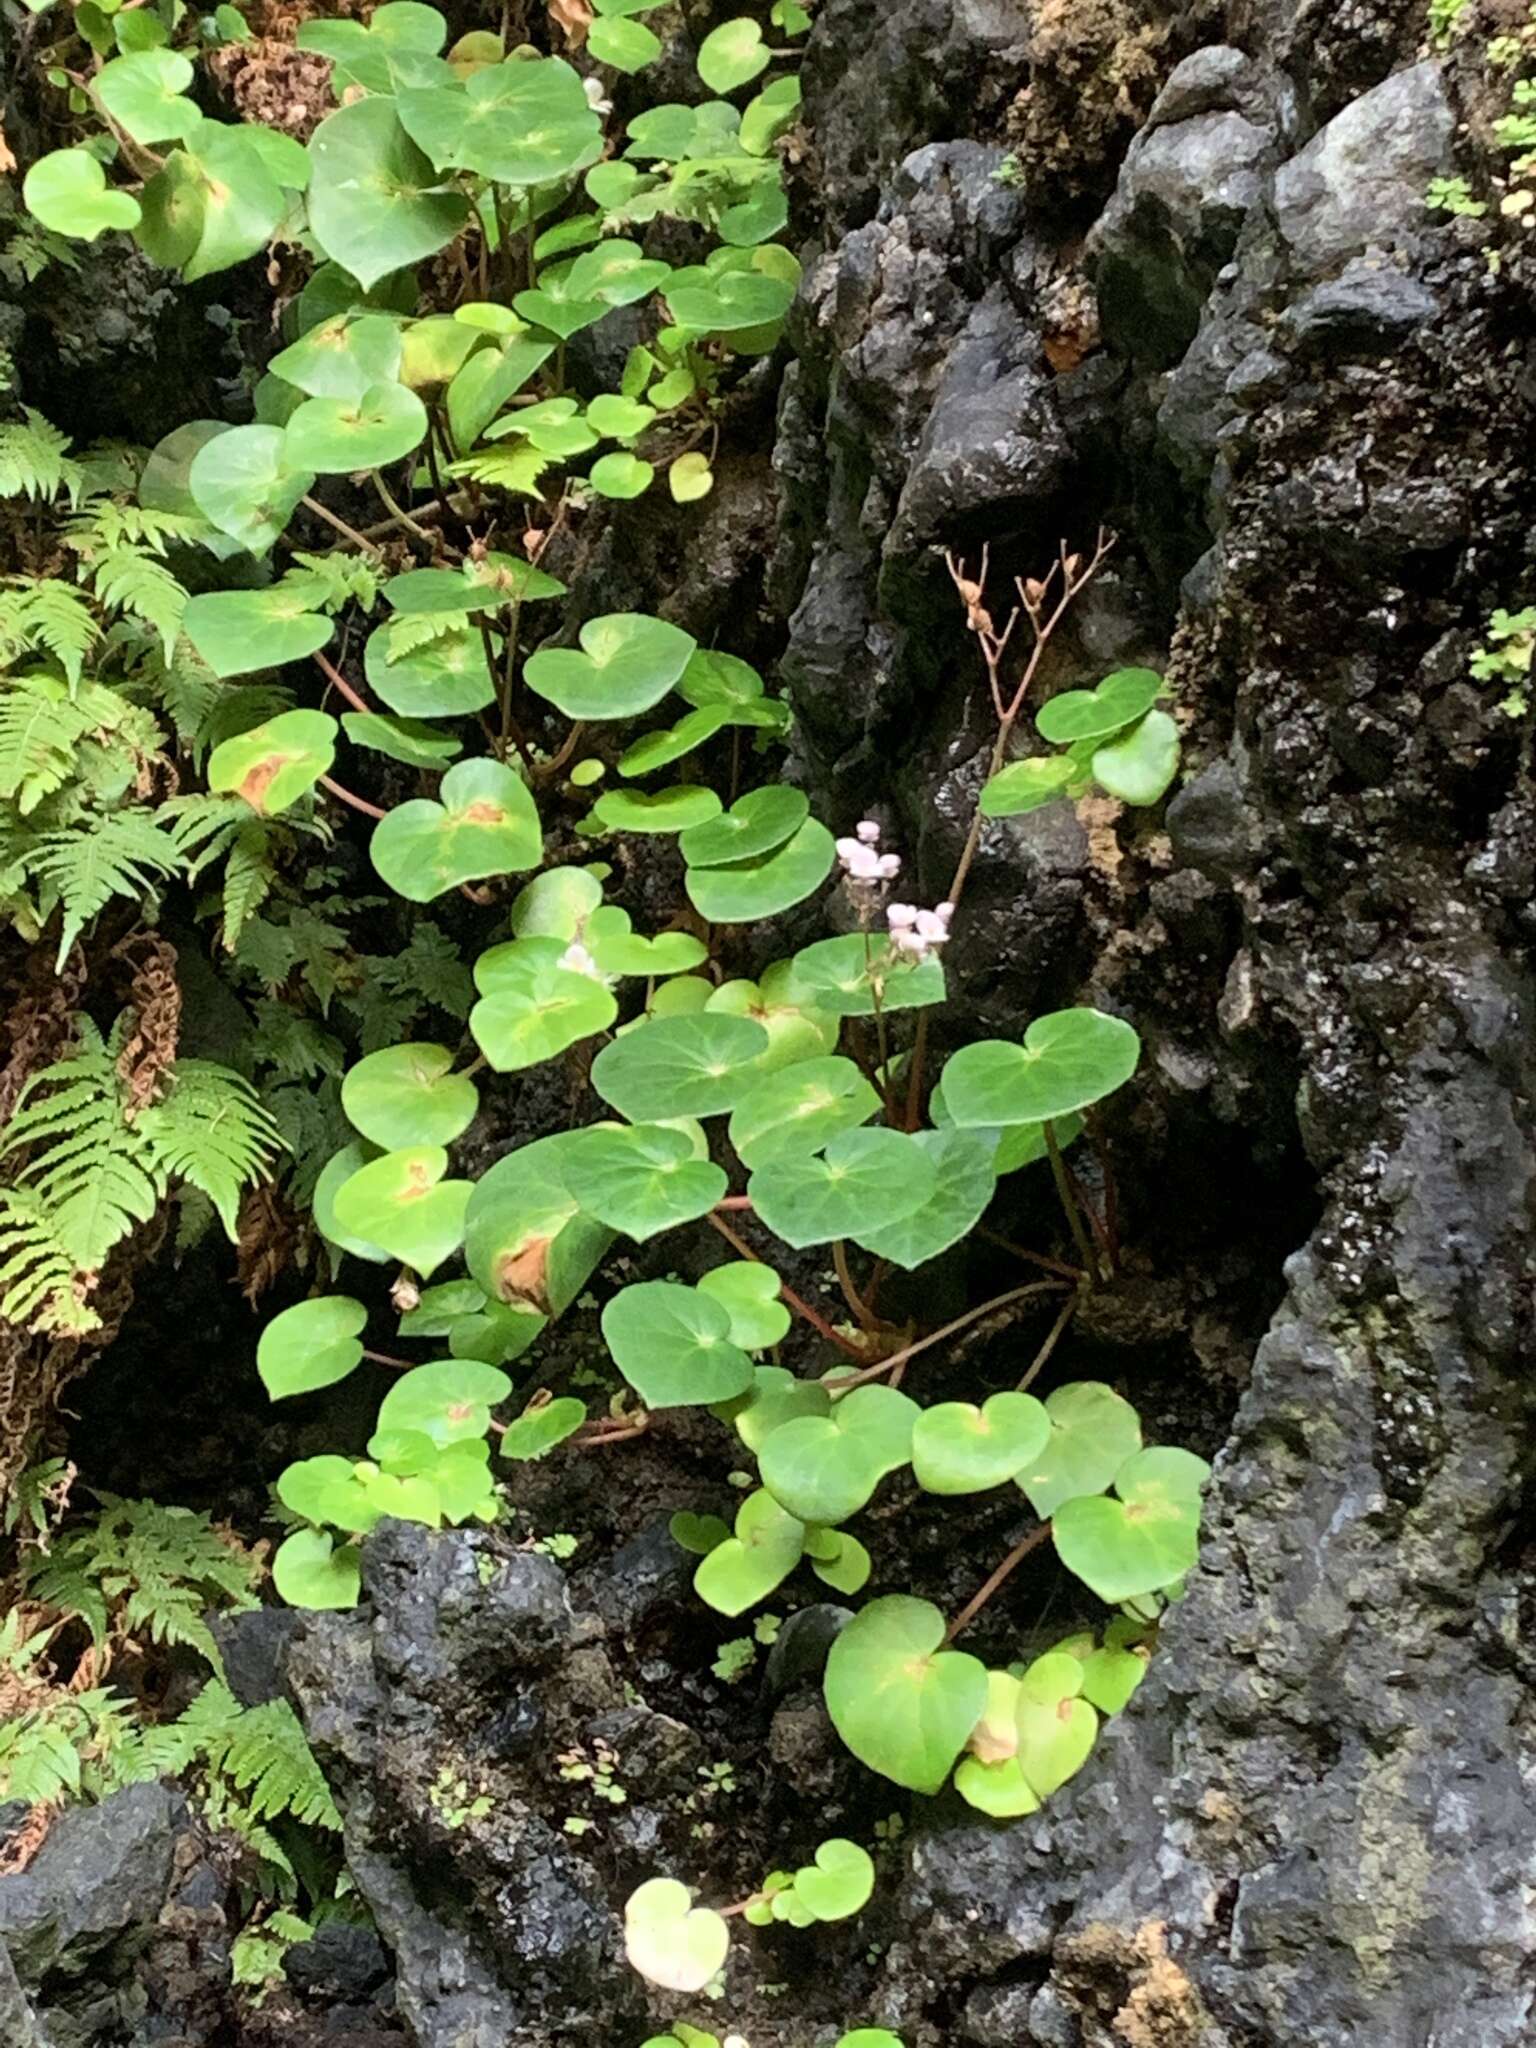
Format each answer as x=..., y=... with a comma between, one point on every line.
x=36, y=1271
x=508, y=468
x=331, y=582
x=211, y=1131
x=108, y=523
x=50, y=615
x=40, y=728
x=420, y=629
x=126, y=578
x=248, y=877
x=35, y=461
x=83, y=869
x=262, y=1753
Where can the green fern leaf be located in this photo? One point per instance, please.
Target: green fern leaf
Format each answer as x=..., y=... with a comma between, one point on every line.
x=127, y=579
x=82, y=870
x=35, y=461
x=211, y=1131
x=50, y=615
x=40, y=730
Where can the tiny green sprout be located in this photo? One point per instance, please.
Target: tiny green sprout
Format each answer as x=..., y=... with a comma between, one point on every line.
x=1505, y=657
x=836, y=1885
x=561, y=1545
x=735, y=1660
x=450, y=1798
x=575, y=1824
x=1454, y=196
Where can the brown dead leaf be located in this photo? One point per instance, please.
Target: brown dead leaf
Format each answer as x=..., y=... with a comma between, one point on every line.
x=574, y=18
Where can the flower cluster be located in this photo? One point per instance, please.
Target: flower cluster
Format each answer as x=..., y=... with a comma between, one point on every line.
x=860, y=858
x=917, y=932
x=577, y=960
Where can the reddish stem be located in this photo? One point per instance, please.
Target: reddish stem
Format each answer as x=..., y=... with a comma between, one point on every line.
x=339, y=683
x=345, y=796
x=1010, y=1563
x=790, y=1299
x=899, y=1358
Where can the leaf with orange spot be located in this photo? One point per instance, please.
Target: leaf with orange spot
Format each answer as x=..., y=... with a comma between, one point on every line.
x=403, y=1204
x=276, y=763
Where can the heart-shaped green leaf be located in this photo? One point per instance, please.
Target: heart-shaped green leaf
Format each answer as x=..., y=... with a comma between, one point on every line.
x=67, y=192
x=556, y=904
x=243, y=485
x=679, y=1066
x=276, y=763
x=775, y=1397
x=796, y=1031
x=309, y=1571
x=1068, y=1060
x=839, y=1883
x=769, y=116
x=1025, y=786
x=1093, y=1433
x=237, y=631
x=402, y=1203
x=1147, y=1538
x=485, y=825
x=1056, y=1727
x=446, y=678
x=965, y=1181
x=728, y=300
x=1014, y=1145
x=660, y=749
x=313, y=1344
x=374, y=203
x=334, y=436
x=402, y=739
x=668, y=810
x=698, y=1534
x=845, y=1568
x=960, y=1448
x=669, y=1940
x=618, y=950
x=342, y=357
x=1093, y=714
x=903, y=1705
x=620, y=475
x=999, y=1789
x=338, y=1169
x=328, y=1490
x=1139, y=766
x=144, y=94
x=824, y=1468
x=216, y=201
x=749, y=1293
x=526, y=1242
x=538, y=1430
x=532, y=1008
x=642, y=1178
x=754, y=825
x=673, y=1345
x=489, y=379
x=408, y=1095
x=861, y=973
x=626, y=663
x=1111, y=1670
x=626, y=45
x=866, y=1179
x=449, y=1401
x=744, y=891
x=524, y=122
x=755, y=1561
x=732, y=54
x=799, y=1109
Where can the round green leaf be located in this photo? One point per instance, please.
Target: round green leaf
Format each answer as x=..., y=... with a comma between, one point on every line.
x=659, y=749
x=1025, y=786
x=626, y=663
x=861, y=973
x=334, y=436
x=641, y=1179
x=618, y=418
x=407, y=1095
x=1093, y=1433
x=1147, y=1538
x=864, y=1180
x=417, y=591
x=689, y=478
x=537, y=1431
x=402, y=739
x=770, y=115
x=775, y=1397
x=144, y=94
x=903, y=1705
x=447, y=678
x=556, y=904
x=525, y=122
x=1068, y=1060
x=402, y=1203
x=825, y=1468
x=668, y=810
x=725, y=301
x=449, y=1401
x=276, y=763
x=679, y=1066
x=673, y=1345
x=618, y=950
x=309, y=1571
x=526, y=1242
x=374, y=203
x=313, y=1344
x=747, y=890
x=215, y=203
x=1056, y=1728
x=328, y=1490
x=755, y=1561
x=847, y=1568
x=237, y=631
x=485, y=825
x=999, y=1789
x=339, y=1168
x=1093, y=714
x=620, y=475
x=67, y=192
x=732, y=54
x=626, y=45
x=796, y=1031
x=965, y=1181
x=839, y=1883
x=243, y=485
x=1112, y=1671
x=342, y=357
x=532, y=1008
x=749, y=1293
x=699, y=1534
x=721, y=679
x=960, y=1448
x=670, y=1941
x=1139, y=766
x=798, y=1109
x=754, y=825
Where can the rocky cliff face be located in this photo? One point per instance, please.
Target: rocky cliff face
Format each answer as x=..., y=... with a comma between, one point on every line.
x=1165, y=268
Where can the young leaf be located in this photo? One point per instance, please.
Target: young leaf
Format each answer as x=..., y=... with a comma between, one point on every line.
x=313, y=1344
x=532, y=1008
x=839, y=1883
x=67, y=192
x=670, y=1941
x=1068, y=1060
x=1147, y=1538
x=485, y=825
x=1117, y=702
x=732, y=54
x=641, y=1179
x=1025, y=786
x=903, y=1705
x=1093, y=1433
x=1138, y=766
x=402, y=739
x=866, y=1179
x=960, y=1448
x=144, y=93
x=749, y=1293
x=1056, y=1728
x=746, y=1567
x=673, y=1345
x=537, y=1431
x=309, y=1571
x=407, y=1095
